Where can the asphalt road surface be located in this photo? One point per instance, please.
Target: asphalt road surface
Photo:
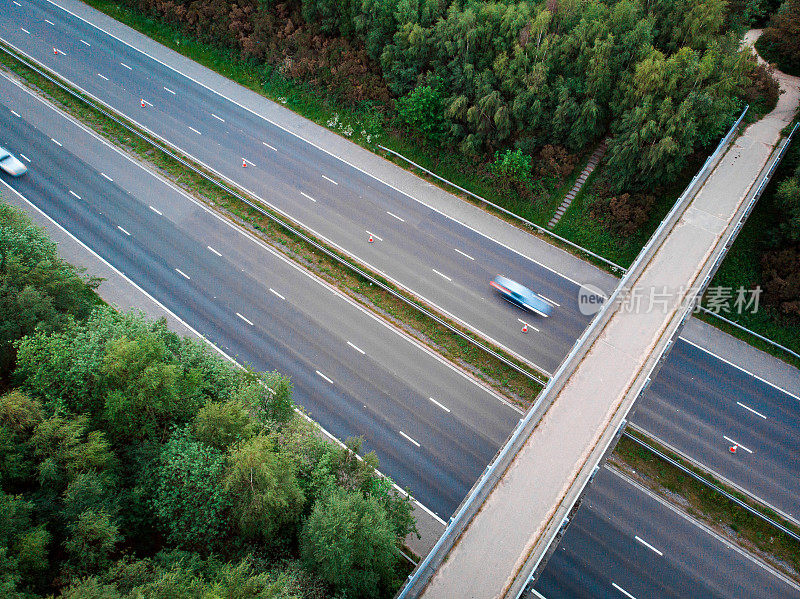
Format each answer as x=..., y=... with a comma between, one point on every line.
x=435, y=257
x=433, y=428
x=624, y=543
x=703, y=406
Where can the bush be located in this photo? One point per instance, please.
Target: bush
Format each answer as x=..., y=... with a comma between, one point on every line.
x=555, y=161
x=512, y=164
x=625, y=213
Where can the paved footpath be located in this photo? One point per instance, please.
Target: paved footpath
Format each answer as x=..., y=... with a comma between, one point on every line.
x=524, y=504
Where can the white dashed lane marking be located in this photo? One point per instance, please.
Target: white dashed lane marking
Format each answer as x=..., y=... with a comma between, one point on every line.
x=245, y=319
x=213, y=250
x=409, y=438
x=75, y=195
x=445, y=408
x=648, y=545
x=156, y=211
x=355, y=347
x=183, y=274
x=324, y=377
x=123, y=230
x=395, y=216
x=441, y=275
x=751, y=410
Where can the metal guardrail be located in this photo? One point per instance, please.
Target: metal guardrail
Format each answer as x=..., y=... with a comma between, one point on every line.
x=750, y=331
x=714, y=487
x=614, y=266
x=107, y=111
x=459, y=522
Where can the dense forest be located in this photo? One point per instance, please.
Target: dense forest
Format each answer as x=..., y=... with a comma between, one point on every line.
x=662, y=78
x=136, y=463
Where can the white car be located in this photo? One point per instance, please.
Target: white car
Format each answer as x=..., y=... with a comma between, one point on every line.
x=10, y=164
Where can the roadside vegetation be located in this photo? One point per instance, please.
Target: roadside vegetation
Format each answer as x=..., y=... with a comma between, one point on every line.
x=136, y=463
x=506, y=99
x=767, y=254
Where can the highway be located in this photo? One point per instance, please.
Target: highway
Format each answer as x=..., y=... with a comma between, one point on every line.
x=437, y=258
x=423, y=250
x=702, y=406
x=627, y=544
x=433, y=428
x=342, y=203
x=220, y=282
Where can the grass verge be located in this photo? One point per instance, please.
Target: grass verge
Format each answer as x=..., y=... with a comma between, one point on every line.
x=480, y=364
x=703, y=503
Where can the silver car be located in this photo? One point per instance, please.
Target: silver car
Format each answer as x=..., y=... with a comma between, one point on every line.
x=10, y=164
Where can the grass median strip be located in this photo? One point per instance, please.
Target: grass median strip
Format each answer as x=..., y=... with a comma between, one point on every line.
x=711, y=507
x=502, y=377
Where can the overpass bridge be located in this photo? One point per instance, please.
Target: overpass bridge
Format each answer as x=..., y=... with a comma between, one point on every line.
x=504, y=528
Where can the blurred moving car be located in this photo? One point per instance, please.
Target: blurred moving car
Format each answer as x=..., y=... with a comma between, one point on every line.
x=10, y=164
x=521, y=296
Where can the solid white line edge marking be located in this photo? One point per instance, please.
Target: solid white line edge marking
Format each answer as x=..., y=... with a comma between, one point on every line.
x=729, y=363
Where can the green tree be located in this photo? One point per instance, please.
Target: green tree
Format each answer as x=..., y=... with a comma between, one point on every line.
x=65, y=447
x=780, y=42
x=264, y=492
x=19, y=415
x=91, y=539
x=38, y=290
x=267, y=395
x=222, y=424
x=787, y=199
x=23, y=546
x=348, y=542
x=423, y=110
x=189, y=499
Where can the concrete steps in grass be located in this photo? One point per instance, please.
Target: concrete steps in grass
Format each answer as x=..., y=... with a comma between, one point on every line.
x=594, y=160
